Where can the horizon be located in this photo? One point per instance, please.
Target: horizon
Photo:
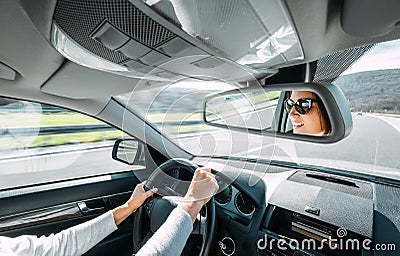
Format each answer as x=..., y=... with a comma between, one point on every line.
x=381, y=57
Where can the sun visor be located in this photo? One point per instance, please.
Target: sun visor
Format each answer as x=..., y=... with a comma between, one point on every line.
x=370, y=18
x=254, y=33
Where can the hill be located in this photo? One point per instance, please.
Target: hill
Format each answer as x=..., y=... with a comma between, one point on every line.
x=372, y=91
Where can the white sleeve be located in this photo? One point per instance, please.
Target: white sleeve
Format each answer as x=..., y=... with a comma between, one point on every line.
x=72, y=241
x=170, y=238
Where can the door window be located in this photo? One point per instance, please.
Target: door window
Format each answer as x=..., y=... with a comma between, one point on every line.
x=41, y=143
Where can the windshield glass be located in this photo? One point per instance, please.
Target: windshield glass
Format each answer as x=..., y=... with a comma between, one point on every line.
x=371, y=86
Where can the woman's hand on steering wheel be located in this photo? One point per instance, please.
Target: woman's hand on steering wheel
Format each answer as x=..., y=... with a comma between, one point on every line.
x=136, y=200
x=139, y=196
x=201, y=189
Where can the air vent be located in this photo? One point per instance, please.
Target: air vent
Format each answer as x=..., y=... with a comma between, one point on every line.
x=335, y=182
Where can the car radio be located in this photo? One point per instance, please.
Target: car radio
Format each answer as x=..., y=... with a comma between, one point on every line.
x=290, y=233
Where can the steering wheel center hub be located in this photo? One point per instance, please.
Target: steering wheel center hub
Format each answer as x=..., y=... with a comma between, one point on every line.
x=160, y=211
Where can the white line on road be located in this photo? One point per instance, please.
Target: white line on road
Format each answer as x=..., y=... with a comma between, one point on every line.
x=32, y=157
x=390, y=120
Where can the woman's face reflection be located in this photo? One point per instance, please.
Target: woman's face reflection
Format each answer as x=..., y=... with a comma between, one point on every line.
x=311, y=123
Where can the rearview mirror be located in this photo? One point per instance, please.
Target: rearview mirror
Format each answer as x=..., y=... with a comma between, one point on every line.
x=304, y=111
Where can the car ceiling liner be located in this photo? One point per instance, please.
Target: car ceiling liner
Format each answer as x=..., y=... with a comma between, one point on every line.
x=152, y=39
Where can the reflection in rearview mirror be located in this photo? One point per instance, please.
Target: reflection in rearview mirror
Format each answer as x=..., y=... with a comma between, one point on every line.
x=307, y=113
x=303, y=111
x=243, y=109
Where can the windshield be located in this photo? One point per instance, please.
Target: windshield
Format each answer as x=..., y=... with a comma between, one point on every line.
x=371, y=86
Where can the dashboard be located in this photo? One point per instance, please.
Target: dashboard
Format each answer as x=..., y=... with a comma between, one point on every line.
x=290, y=211
x=235, y=201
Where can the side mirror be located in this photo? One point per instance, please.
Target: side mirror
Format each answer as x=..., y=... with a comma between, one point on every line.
x=129, y=151
x=302, y=111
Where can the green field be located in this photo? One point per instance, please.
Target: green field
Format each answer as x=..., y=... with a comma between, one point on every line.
x=32, y=140
x=21, y=139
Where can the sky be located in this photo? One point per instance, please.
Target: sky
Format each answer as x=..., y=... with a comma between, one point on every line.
x=383, y=56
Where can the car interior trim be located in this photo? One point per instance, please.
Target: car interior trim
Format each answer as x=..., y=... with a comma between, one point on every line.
x=51, y=186
x=40, y=216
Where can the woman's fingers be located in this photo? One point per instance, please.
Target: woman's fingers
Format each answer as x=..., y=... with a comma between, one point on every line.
x=150, y=192
x=203, y=185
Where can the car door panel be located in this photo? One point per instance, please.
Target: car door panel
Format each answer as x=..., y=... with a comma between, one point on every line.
x=45, y=209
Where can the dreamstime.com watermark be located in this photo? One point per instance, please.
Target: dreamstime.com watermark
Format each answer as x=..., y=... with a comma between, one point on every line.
x=340, y=243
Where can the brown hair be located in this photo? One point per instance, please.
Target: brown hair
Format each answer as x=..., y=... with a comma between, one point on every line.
x=323, y=114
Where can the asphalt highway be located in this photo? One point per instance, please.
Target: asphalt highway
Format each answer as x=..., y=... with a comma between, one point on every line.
x=373, y=145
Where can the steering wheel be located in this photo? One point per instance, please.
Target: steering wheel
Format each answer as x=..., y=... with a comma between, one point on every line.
x=167, y=178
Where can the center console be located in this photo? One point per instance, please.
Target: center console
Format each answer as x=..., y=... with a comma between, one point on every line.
x=318, y=214
x=289, y=233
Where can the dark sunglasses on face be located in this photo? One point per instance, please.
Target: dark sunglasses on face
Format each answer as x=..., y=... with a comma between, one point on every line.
x=302, y=106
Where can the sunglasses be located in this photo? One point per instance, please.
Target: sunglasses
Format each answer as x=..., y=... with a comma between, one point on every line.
x=303, y=105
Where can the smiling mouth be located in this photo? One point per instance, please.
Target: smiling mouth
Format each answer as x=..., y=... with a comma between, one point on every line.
x=296, y=126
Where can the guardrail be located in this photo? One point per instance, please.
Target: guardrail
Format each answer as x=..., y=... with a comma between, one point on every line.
x=53, y=130
x=68, y=129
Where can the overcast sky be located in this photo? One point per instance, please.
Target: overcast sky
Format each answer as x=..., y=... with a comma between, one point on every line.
x=383, y=56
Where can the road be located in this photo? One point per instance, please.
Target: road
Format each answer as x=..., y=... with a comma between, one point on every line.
x=71, y=162
x=373, y=142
